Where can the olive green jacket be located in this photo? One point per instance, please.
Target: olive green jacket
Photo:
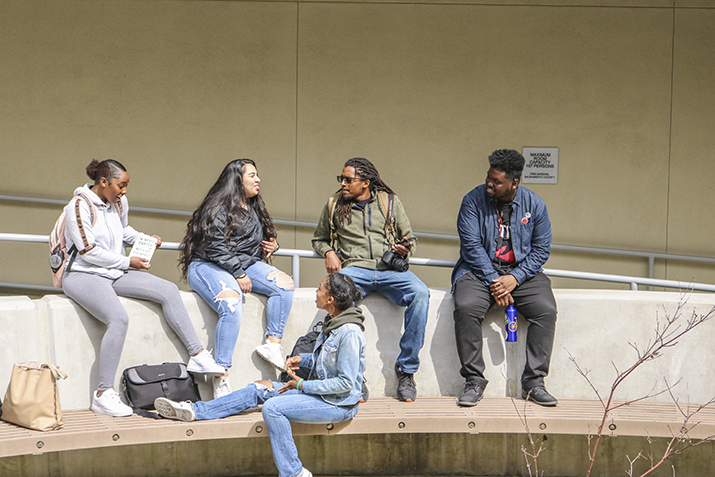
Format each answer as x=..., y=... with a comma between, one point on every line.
x=363, y=241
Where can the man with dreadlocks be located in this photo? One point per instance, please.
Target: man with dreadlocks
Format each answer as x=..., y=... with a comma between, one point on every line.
x=363, y=232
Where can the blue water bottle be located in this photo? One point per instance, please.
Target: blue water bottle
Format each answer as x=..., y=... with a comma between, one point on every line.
x=510, y=317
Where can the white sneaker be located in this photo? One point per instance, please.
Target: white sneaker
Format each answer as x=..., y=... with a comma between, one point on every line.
x=111, y=404
x=182, y=411
x=203, y=363
x=273, y=353
x=305, y=473
x=221, y=387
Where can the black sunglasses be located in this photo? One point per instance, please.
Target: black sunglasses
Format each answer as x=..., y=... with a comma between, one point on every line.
x=348, y=180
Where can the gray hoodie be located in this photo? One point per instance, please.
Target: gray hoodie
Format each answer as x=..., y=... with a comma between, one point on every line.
x=101, y=247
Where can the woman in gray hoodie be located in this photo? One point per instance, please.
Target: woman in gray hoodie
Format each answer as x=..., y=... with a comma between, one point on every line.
x=96, y=225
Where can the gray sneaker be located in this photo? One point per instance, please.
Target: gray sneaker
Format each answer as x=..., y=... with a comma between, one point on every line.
x=540, y=396
x=406, y=388
x=472, y=394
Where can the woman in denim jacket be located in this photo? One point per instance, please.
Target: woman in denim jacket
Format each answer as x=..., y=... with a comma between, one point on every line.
x=331, y=393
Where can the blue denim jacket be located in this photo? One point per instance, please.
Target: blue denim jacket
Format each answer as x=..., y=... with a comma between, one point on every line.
x=478, y=224
x=337, y=366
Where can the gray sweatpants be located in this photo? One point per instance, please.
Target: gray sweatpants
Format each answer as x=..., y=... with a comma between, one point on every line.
x=99, y=296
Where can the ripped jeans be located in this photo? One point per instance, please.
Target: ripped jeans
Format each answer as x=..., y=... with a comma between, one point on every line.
x=209, y=280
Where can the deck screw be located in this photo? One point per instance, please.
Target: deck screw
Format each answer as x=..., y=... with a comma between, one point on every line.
x=40, y=444
x=471, y=425
x=612, y=427
x=189, y=432
x=401, y=425
x=329, y=426
x=542, y=426
x=259, y=429
x=115, y=437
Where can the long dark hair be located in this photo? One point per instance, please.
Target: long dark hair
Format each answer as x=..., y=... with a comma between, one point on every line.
x=366, y=170
x=226, y=193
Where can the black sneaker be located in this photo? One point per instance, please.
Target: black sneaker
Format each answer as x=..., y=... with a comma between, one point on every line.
x=406, y=388
x=539, y=395
x=472, y=394
x=365, y=391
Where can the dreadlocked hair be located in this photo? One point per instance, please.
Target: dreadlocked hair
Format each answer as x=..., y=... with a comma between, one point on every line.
x=365, y=170
x=226, y=193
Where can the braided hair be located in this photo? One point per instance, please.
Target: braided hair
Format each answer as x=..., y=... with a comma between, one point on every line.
x=365, y=170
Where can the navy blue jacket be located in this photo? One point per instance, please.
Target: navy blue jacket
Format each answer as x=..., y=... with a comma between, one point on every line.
x=478, y=227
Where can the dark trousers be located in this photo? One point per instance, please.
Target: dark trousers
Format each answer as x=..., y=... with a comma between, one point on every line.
x=533, y=299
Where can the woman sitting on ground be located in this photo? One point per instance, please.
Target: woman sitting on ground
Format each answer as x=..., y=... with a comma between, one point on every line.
x=331, y=393
x=227, y=239
x=101, y=272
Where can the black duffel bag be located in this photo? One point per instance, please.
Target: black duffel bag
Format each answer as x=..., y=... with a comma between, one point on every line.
x=143, y=384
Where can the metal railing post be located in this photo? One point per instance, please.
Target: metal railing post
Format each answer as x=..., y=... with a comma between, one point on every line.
x=651, y=269
x=295, y=268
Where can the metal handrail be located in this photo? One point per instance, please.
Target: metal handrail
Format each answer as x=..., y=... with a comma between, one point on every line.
x=297, y=254
x=651, y=256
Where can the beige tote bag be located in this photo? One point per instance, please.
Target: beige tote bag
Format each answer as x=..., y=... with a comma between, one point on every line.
x=31, y=399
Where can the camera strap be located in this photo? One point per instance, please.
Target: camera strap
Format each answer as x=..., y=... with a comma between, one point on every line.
x=386, y=205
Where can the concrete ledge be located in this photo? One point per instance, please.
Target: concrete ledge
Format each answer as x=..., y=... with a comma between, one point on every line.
x=594, y=326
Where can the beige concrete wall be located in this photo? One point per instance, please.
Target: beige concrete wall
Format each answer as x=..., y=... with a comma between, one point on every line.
x=426, y=90
x=594, y=327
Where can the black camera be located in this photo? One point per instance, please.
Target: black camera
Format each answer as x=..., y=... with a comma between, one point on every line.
x=395, y=261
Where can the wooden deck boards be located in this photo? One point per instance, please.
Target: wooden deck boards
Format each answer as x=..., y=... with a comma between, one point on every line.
x=84, y=429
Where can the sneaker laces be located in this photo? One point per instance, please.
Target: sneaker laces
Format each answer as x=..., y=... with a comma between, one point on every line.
x=469, y=386
x=406, y=379
x=113, y=396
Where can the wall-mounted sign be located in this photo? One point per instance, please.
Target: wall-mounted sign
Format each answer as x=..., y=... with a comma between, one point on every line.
x=542, y=165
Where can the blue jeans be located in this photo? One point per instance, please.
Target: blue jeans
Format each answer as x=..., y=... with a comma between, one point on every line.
x=236, y=402
x=209, y=280
x=296, y=406
x=402, y=289
x=278, y=413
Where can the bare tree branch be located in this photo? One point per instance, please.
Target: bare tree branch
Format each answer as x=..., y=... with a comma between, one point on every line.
x=667, y=334
x=530, y=457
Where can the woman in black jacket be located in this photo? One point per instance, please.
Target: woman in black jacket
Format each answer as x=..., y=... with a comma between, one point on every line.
x=222, y=256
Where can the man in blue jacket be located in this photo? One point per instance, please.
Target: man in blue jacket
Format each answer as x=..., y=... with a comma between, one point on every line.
x=505, y=237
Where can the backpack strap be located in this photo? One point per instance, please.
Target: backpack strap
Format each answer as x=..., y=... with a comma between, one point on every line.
x=93, y=215
x=332, y=202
